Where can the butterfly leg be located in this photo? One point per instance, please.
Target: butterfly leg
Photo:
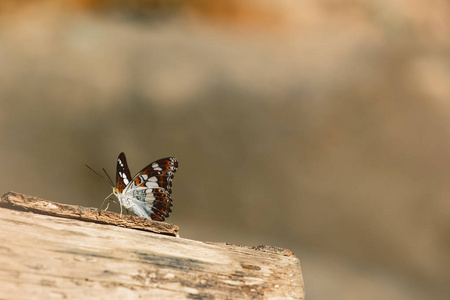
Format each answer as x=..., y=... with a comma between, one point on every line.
x=107, y=205
x=100, y=208
x=121, y=207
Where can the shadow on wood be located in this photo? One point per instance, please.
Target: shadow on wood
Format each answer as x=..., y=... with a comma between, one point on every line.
x=43, y=256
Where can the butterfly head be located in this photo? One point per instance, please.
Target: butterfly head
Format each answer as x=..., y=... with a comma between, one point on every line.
x=116, y=190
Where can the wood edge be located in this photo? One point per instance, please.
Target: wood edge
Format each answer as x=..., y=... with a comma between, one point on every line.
x=262, y=248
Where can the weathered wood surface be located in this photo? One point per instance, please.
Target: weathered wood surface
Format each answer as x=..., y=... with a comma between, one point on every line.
x=47, y=257
x=29, y=203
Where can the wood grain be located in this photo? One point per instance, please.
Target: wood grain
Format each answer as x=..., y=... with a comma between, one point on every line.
x=48, y=257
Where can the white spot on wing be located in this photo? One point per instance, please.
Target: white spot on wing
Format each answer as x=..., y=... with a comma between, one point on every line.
x=154, y=179
x=155, y=165
x=151, y=184
x=144, y=176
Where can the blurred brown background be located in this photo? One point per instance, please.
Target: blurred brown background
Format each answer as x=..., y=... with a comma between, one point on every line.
x=318, y=126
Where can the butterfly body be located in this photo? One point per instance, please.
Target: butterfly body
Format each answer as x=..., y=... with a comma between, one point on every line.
x=148, y=193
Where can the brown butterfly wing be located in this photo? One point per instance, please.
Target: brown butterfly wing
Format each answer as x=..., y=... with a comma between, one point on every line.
x=153, y=185
x=161, y=170
x=123, y=176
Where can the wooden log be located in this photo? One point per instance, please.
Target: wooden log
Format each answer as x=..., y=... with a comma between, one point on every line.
x=48, y=257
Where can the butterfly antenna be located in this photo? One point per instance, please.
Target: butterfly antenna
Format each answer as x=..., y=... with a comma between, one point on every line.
x=99, y=175
x=110, y=180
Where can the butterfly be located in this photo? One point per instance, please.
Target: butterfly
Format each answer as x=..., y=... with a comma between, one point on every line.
x=148, y=193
